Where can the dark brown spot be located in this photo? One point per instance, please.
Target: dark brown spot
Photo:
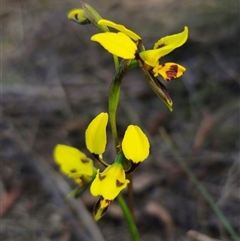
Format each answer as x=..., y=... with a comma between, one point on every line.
x=172, y=72
x=76, y=17
x=101, y=177
x=102, y=205
x=84, y=161
x=119, y=184
x=137, y=57
x=161, y=45
x=73, y=171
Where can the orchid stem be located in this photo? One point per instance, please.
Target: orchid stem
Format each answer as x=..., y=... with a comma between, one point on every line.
x=129, y=218
x=116, y=62
x=113, y=101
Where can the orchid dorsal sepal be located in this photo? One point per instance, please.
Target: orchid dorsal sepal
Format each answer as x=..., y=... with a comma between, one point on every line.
x=117, y=44
x=120, y=28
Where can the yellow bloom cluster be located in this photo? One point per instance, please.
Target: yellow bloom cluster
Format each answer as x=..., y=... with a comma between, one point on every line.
x=111, y=181
x=124, y=44
x=134, y=149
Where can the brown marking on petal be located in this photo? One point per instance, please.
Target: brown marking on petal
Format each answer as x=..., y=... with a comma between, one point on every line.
x=101, y=207
x=119, y=184
x=101, y=177
x=73, y=170
x=161, y=45
x=172, y=72
x=106, y=201
x=76, y=17
x=102, y=203
x=84, y=160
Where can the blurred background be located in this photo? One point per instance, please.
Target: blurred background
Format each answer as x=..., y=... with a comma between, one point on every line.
x=55, y=80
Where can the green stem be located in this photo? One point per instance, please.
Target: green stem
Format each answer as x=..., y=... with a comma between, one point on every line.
x=116, y=62
x=113, y=100
x=113, y=104
x=129, y=218
x=200, y=187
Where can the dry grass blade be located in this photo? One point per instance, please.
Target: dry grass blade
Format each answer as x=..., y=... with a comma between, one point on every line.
x=199, y=236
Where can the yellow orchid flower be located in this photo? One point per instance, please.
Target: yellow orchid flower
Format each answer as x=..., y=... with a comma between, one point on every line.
x=124, y=47
x=135, y=144
x=95, y=135
x=86, y=15
x=120, y=28
x=112, y=41
x=74, y=163
x=110, y=182
x=77, y=15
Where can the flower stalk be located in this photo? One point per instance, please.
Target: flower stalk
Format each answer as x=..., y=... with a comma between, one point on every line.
x=114, y=95
x=113, y=99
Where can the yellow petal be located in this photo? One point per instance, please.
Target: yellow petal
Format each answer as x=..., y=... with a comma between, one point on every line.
x=120, y=28
x=151, y=57
x=95, y=135
x=110, y=182
x=63, y=153
x=163, y=47
x=135, y=144
x=117, y=44
x=77, y=15
x=73, y=162
x=170, y=71
x=175, y=40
